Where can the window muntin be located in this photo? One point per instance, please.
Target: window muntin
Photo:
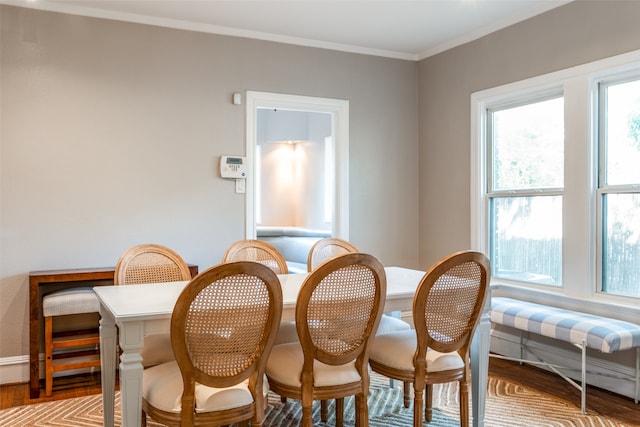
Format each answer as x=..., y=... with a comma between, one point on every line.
x=619, y=186
x=526, y=146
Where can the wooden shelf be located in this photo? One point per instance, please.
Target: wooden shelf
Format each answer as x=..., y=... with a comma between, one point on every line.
x=42, y=282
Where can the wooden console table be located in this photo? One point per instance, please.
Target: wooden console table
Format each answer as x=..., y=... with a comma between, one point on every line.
x=42, y=282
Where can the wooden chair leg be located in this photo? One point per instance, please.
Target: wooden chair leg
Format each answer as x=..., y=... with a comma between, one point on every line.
x=407, y=394
x=324, y=411
x=428, y=407
x=340, y=412
x=362, y=411
x=464, y=404
x=48, y=344
x=418, y=402
x=307, y=420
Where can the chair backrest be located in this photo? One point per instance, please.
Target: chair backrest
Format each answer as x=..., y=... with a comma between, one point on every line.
x=449, y=301
x=327, y=248
x=257, y=251
x=150, y=263
x=339, y=305
x=223, y=327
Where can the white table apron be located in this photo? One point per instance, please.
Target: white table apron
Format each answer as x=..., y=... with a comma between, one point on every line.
x=139, y=310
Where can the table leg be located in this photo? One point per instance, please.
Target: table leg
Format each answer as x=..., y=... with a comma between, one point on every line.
x=131, y=343
x=108, y=365
x=480, y=367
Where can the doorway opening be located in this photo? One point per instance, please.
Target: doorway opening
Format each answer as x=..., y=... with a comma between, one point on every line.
x=298, y=157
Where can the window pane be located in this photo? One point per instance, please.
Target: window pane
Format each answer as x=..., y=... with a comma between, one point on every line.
x=621, y=243
x=528, y=146
x=527, y=239
x=623, y=133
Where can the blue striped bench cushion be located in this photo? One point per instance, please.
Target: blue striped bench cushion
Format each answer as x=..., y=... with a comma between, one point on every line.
x=601, y=333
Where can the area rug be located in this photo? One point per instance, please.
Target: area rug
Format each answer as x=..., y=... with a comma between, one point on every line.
x=508, y=405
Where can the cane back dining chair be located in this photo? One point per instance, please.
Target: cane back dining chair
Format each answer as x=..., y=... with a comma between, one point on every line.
x=73, y=349
x=257, y=251
x=328, y=248
x=446, y=309
x=222, y=330
x=338, y=307
x=321, y=251
x=152, y=263
x=331, y=247
x=263, y=253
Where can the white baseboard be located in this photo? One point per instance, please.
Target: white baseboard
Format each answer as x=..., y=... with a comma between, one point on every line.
x=14, y=370
x=613, y=372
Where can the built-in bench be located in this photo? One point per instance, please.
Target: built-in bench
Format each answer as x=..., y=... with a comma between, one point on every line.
x=293, y=243
x=580, y=329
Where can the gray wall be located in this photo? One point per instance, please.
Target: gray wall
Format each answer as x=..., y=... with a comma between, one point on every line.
x=111, y=134
x=577, y=33
x=573, y=34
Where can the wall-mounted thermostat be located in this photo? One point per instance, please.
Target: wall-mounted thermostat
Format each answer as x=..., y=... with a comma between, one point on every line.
x=233, y=167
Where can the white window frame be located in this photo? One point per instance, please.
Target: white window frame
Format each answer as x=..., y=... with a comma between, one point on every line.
x=339, y=109
x=494, y=194
x=602, y=187
x=329, y=179
x=580, y=218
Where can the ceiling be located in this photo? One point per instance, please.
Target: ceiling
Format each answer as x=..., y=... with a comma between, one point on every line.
x=401, y=29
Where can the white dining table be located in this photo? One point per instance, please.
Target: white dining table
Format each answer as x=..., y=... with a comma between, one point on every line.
x=129, y=313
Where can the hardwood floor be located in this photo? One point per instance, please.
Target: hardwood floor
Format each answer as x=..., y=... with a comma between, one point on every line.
x=603, y=402
x=63, y=388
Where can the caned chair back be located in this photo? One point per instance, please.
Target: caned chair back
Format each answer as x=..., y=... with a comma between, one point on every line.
x=338, y=307
x=150, y=263
x=328, y=248
x=449, y=301
x=223, y=328
x=257, y=251
x=446, y=310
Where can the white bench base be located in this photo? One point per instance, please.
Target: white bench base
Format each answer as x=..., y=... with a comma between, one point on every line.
x=557, y=370
x=542, y=320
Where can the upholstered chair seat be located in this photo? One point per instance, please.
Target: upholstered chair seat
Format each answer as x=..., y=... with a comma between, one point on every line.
x=285, y=365
x=70, y=301
x=391, y=324
x=404, y=344
x=162, y=389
